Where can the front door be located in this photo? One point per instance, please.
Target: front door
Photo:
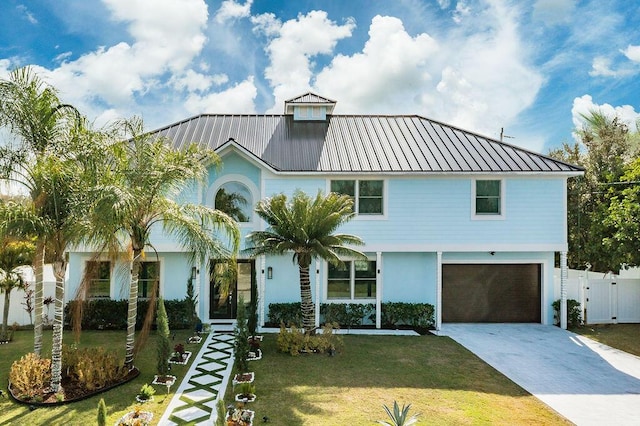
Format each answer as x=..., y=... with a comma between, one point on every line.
x=225, y=287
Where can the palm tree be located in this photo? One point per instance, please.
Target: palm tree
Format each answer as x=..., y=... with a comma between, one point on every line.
x=138, y=194
x=45, y=131
x=14, y=254
x=232, y=204
x=305, y=227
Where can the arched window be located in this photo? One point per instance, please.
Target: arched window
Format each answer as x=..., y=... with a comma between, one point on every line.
x=234, y=198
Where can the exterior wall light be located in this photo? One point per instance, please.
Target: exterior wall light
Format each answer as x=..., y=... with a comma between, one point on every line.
x=269, y=273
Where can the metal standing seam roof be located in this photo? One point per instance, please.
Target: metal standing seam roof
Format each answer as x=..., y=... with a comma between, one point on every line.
x=360, y=144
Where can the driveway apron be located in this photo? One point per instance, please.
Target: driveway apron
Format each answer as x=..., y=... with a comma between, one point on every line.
x=586, y=382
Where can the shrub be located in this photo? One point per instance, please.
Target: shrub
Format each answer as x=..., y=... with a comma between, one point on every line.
x=164, y=346
x=102, y=413
x=93, y=368
x=285, y=313
x=413, y=314
x=574, y=314
x=29, y=375
x=294, y=340
x=241, y=343
x=146, y=392
x=108, y=314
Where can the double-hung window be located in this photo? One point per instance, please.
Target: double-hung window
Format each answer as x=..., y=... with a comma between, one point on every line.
x=148, y=278
x=367, y=195
x=488, y=198
x=357, y=280
x=98, y=275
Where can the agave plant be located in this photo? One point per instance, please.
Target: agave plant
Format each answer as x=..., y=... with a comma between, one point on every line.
x=399, y=417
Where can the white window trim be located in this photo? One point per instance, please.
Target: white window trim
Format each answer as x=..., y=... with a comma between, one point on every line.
x=253, y=189
x=503, y=204
x=352, y=283
x=358, y=215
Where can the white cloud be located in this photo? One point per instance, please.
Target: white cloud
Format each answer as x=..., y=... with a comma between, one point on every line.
x=27, y=14
x=229, y=9
x=238, y=99
x=193, y=81
x=584, y=105
x=632, y=53
x=297, y=42
x=553, y=12
x=601, y=66
x=462, y=10
x=267, y=24
x=391, y=69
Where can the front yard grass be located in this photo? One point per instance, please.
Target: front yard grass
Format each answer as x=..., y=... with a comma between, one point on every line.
x=119, y=400
x=625, y=337
x=439, y=378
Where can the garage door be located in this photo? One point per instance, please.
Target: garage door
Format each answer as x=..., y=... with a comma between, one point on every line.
x=491, y=293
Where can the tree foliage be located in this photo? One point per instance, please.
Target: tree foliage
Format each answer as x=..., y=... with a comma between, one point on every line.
x=305, y=227
x=606, y=150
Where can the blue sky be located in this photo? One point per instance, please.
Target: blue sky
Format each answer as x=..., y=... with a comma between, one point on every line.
x=530, y=67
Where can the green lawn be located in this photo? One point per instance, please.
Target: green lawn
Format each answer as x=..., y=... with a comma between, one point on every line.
x=119, y=400
x=441, y=379
x=625, y=337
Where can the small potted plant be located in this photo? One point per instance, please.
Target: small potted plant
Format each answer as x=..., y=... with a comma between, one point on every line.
x=136, y=417
x=146, y=393
x=239, y=416
x=244, y=377
x=194, y=339
x=246, y=392
x=179, y=355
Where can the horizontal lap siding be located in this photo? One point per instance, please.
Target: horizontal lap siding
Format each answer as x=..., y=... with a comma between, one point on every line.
x=435, y=211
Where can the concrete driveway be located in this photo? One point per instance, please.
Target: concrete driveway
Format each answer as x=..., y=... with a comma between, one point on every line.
x=585, y=381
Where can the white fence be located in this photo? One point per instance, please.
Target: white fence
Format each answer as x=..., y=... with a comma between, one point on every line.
x=608, y=300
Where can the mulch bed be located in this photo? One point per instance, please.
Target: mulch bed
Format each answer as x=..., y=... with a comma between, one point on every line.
x=73, y=391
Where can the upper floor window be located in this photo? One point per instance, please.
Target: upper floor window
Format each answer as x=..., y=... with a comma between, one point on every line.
x=148, y=278
x=357, y=280
x=234, y=198
x=98, y=275
x=367, y=195
x=488, y=197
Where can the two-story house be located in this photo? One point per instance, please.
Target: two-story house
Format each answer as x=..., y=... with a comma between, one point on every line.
x=467, y=223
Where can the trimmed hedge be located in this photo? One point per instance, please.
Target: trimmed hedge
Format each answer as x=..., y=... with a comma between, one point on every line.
x=107, y=314
x=350, y=315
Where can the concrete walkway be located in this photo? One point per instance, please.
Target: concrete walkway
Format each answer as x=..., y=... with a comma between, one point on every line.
x=194, y=402
x=585, y=381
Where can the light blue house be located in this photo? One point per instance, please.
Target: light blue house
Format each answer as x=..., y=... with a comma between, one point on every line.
x=469, y=224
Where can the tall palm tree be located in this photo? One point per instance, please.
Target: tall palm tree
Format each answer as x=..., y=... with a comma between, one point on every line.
x=138, y=194
x=306, y=227
x=44, y=130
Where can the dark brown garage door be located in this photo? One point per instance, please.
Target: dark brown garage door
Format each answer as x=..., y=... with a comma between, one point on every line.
x=491, y=293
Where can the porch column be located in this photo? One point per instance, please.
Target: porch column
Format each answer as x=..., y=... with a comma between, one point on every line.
x=438, y=291
x=261, y=290
x=378, y=289
x=316, y=268
x=563, y=290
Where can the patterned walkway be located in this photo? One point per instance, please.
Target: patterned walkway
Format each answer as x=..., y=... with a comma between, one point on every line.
x=194, y=402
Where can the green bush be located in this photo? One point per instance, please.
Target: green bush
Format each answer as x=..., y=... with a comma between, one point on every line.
x=285, y=313
x=574, y=314
x=108, y=314
x=413, y=314
x=349, y=315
